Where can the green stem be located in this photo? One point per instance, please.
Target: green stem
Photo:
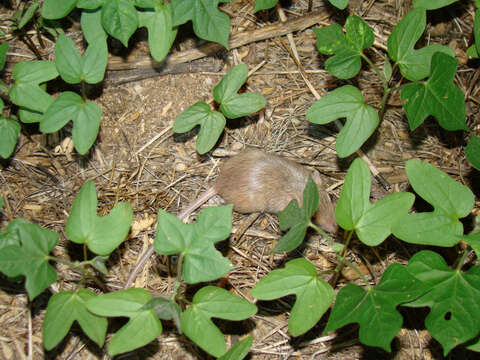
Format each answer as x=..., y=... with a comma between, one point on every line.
x=178, y=281
x=84, y=252
x=377, y=71
x=84, y=91
x=461, y=260
x=64, y=262
x=323, y=233
x=357, y=270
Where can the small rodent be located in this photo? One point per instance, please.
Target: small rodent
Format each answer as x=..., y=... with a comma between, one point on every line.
x=254, y=181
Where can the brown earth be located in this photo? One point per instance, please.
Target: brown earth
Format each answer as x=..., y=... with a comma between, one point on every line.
x=41, y=179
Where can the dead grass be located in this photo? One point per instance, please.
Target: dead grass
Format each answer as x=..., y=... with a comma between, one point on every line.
x=40, y=181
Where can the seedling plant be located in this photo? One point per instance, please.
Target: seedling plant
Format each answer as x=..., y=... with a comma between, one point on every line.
x=427, y=89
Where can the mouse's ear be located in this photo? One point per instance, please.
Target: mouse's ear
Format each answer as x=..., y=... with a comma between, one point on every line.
x=317, y=178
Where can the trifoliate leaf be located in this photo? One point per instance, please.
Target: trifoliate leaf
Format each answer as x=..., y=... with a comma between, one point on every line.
x=299, y=277
x=208, y=302
x=202, y=262
x=361, y=118
x=101, y=234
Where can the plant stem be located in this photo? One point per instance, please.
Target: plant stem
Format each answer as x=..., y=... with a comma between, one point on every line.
x=377, y=71
x=84, y=91
x=84, y=252
x=461, y=260
x=357, y=270
x=178, y=281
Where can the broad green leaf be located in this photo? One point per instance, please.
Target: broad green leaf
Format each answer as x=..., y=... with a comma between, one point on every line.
x=143, y=325
x=89, y=4
x=9, y=130
x=92, y=29
x=31, y=258
x=432, y=5
x=209, y=23
x=451, y=295
x=119, y=19
x=3, y=54
x=234, y=105
x=373, y=223
x=414, y=64
x=243, y=105
x=313, y=294
x=376, y=223
x=449, y=199
x=474, y=241
x=264, y=5
x=374, y=309
x=63, y=309
x=26, y=91
x=472, y=51
x=298, y=220
x=202, y=262
x=438, y=96
x=231, y=82
x=67, y=60
x=239, y=350
x=101, y=234
x=57, y=9
x=30, y=116
x=161, y=33
x=10, y=234
x=472, y=151
x=361, y=118
x=208, y=302
x=85, y=116
x=146, y=4
x=339, y=4
x=94, y=62
x=211, y=124
x=354, y=197
x=166, y=309
x=348, y=48
x=28, y=14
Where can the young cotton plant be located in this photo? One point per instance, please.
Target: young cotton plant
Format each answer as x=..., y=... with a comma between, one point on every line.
x=430, y=69
x=25, y=252
x=232, y=105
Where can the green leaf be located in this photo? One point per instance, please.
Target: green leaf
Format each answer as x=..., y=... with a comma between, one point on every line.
x=298, y=220
x=101, y=234
x=414, y=64
x=231, y=82
x=313, y=294
x=143, y=325
x=161, y=33
x=264, y=5
x=202, y=262
x=372, y=222
x=472, y=151
x=31, y=258
x=63, y=309
x=208, y=302
x=11, y=235
x=85, y=116
x=347, y=48
x=28, y=14
x=209, y=23
x=92, y=29
x=94, y=62
x=438, y=96
x=239, y=350
x=449, y=199
x=119, y=19
x=57, y=9
x=432, y=5
x=211, y=125
x=67, y=60
x=3, y=54
x=375, y=309
x=361, y=118
x=451, y=295
x=243, y=105
x=89, y=4
x=27, y=92
x=474, y=241
x=166, y=309
x=472, y=51
x=339, y=4
x=9, y=130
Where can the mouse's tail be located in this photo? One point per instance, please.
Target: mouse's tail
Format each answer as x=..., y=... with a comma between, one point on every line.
x=197, y=203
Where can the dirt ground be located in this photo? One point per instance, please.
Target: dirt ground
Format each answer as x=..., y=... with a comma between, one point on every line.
x=137, y=158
